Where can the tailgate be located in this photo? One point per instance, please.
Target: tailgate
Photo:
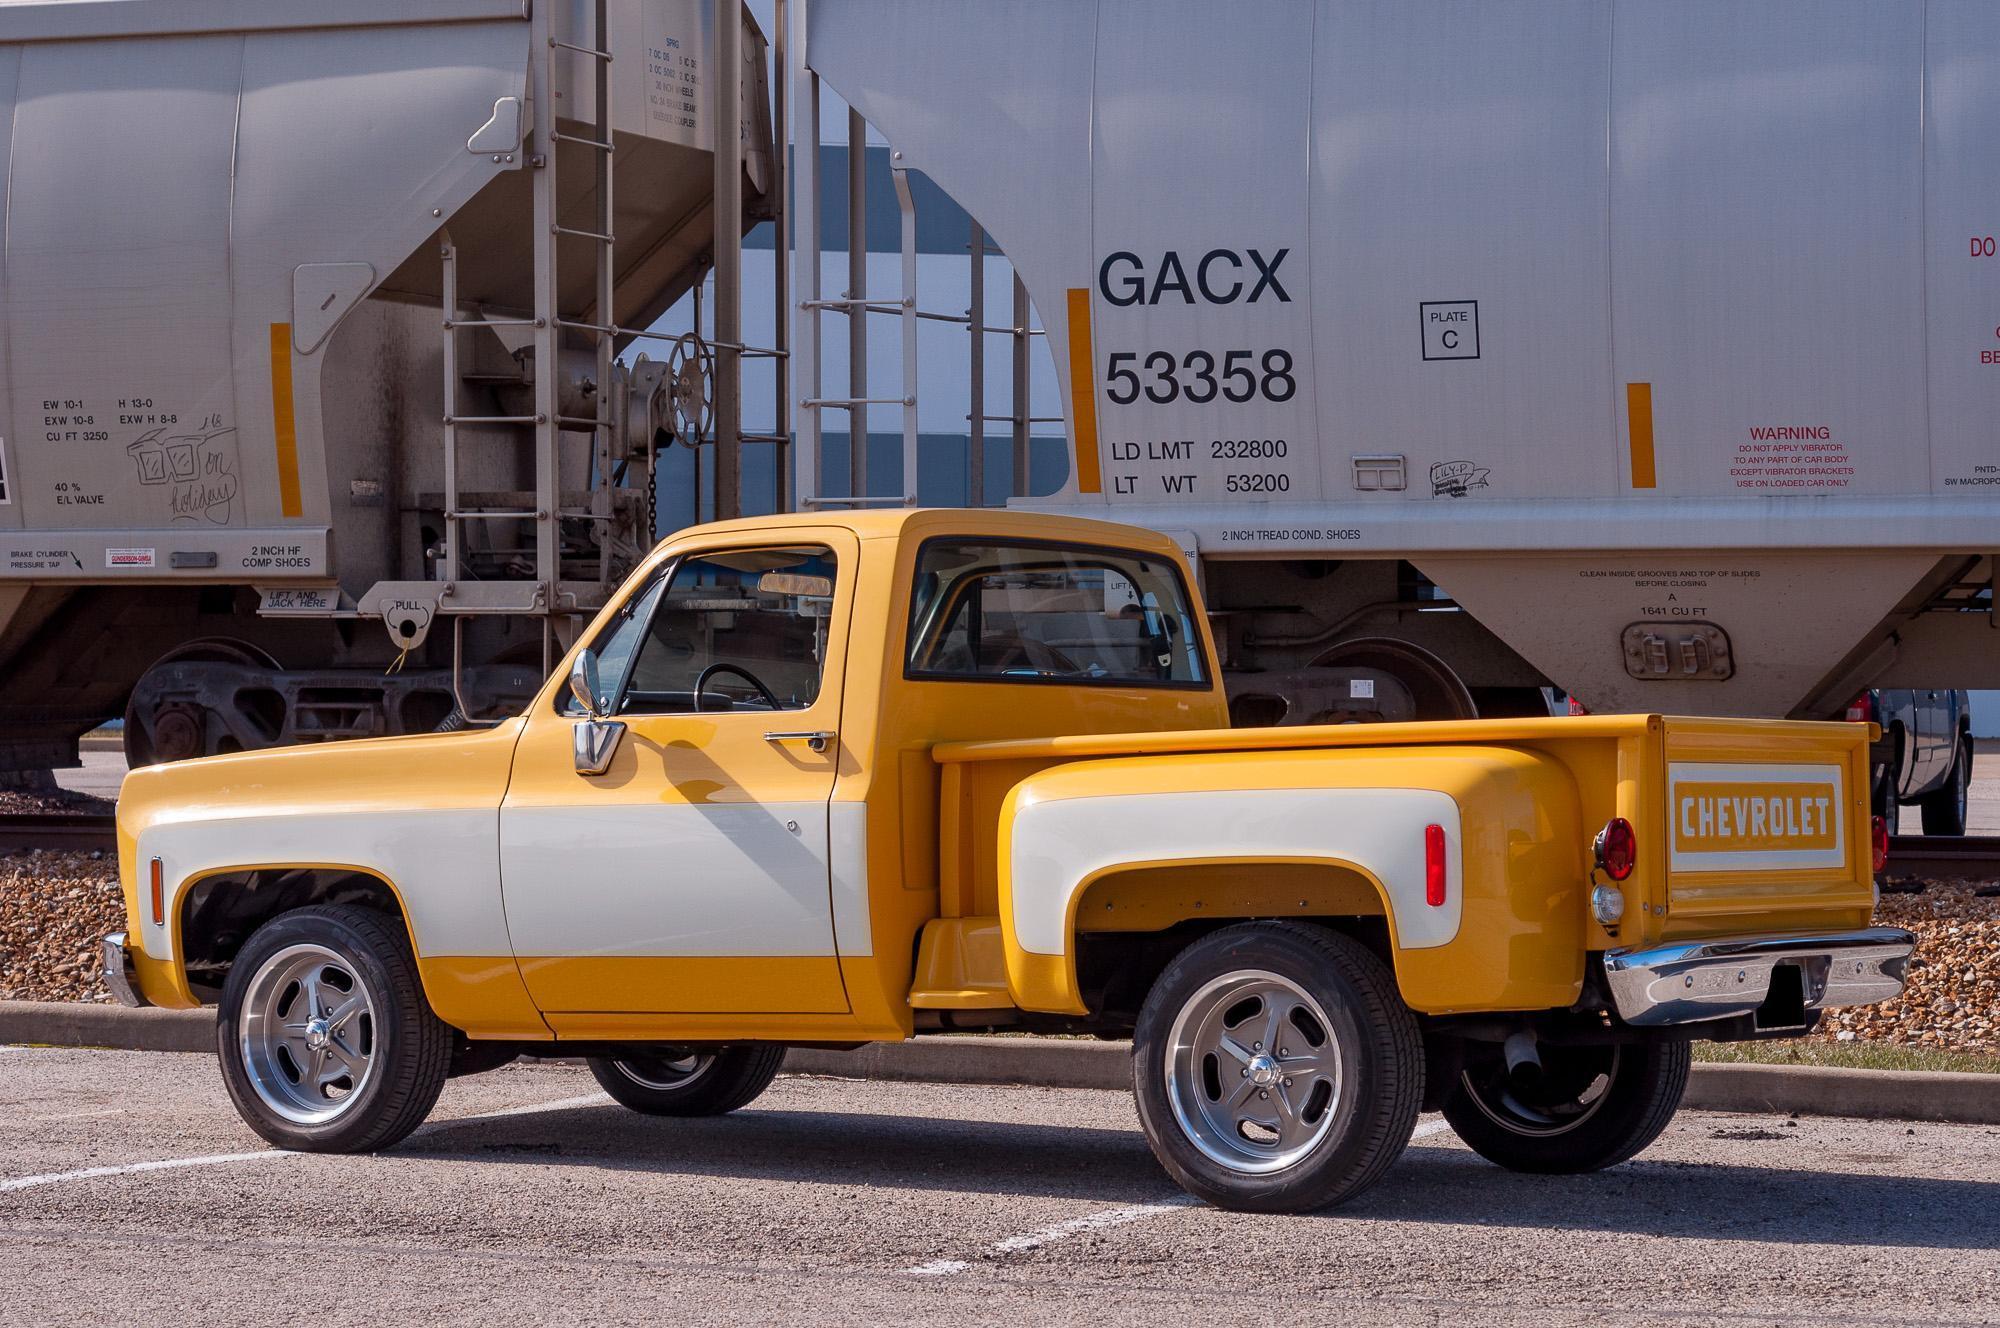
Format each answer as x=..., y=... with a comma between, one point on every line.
x=1768, y=827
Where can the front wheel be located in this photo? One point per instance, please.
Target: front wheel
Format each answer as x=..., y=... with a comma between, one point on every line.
x=689, y=1081
x=1584, y=1109
x=326, y=1041
x=1276, y=1068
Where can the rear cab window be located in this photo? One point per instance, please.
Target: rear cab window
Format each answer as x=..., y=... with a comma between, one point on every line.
x=1017, y=611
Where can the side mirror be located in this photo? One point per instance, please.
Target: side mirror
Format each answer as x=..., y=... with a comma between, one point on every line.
x=583, y=685
x=596, y=738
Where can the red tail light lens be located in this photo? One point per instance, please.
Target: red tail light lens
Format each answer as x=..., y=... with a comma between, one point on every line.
x=1861, y=710
x=1577, y=707
x=1434, y=866
x=1617, y=848
x=1879, y=837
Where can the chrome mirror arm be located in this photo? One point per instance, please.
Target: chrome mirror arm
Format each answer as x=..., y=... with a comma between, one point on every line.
x=596, y=742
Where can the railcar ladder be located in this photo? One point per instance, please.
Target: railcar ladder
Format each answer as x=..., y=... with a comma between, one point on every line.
x=856, y=306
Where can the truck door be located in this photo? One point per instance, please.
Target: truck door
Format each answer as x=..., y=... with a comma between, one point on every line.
x=693, y=874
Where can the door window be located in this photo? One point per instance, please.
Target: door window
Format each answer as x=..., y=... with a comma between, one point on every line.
x=745, y=629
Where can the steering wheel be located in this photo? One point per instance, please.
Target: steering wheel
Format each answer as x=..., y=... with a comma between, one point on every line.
x=702, y=682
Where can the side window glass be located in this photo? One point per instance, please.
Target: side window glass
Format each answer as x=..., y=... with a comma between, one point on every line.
x=738, y=630
x=1047, y=613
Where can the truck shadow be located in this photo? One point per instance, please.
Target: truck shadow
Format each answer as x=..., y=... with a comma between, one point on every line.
x=1433, y=1184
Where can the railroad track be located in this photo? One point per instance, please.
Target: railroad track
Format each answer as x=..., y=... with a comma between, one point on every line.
x=68, y=832
x=1945, y=855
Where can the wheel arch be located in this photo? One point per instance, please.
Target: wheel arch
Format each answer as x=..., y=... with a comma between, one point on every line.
x=219, y=909
x=1146, y=897
x=1130, y=919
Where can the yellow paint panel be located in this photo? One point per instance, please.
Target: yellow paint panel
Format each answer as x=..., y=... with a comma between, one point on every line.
x=1639, y=410
x=1083, y=393
x=482, y=996
x=635, y=984
x=961, y=965
x=281, y=419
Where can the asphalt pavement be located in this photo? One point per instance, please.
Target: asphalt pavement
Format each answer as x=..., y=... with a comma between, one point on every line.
x=131, y=1194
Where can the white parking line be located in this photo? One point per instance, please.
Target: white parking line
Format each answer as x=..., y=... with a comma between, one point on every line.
x=168, y=1164
x=1109, y=1217
x=267, y=1154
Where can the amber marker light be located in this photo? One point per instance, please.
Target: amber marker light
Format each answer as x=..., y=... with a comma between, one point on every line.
x=159, y=895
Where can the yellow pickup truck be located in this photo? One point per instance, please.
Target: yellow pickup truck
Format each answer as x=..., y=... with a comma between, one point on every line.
x=832, y=779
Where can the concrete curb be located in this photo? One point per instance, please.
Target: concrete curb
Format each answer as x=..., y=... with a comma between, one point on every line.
x=1799, y=1090
x=1030, y=1062
x=73, y=1024
x=1805, y=1090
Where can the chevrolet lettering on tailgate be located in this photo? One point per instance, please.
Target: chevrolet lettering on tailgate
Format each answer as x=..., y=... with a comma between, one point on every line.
x=1756, y=817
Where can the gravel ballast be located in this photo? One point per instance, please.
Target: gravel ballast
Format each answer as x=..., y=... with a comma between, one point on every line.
x=54, y=907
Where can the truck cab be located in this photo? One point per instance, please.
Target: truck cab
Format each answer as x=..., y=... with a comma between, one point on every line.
x=833, y=779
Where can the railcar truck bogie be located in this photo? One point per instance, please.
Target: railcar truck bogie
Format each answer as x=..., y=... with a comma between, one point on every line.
x=833, y=779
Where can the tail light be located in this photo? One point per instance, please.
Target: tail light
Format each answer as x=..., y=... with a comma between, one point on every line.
x=1434, y=866
x=159, y=895
x=1861, y=710
x=1616, y=848
x=1879, y=838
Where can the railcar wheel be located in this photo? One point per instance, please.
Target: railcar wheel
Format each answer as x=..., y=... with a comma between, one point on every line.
x=177, y=730
x=1586, y=1109
x=685, y=1081
x=326, y=1042
x=1276, y=1068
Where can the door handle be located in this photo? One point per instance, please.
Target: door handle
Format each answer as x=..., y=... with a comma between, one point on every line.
x=816, y=739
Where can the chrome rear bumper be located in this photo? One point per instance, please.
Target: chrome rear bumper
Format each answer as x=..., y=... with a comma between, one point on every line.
x=118, y=971
x=1694, y=981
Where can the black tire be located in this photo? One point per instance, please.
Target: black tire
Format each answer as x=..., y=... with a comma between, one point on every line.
x=1548, y=1127
x=1944, y=810
x=690, y=1082
x=408, y=1048
x=1367, y=1105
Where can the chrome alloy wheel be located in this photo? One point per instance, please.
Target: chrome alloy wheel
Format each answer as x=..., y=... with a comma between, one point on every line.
x=308, y=1034
x=670, y=1069
x=1570, y=1093
x=1253, y=1073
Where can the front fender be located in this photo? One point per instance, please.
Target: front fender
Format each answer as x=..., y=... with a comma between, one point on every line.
x=1507, y=935
x=421, y=815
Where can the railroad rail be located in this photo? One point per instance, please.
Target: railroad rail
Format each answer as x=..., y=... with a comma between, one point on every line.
x=1975, y=856
x=68, y=832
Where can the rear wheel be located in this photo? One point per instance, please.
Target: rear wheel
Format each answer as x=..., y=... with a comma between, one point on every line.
x=1276, y=1068
x=1945, y=810
x=689, y=1081
x=1587, y=1108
